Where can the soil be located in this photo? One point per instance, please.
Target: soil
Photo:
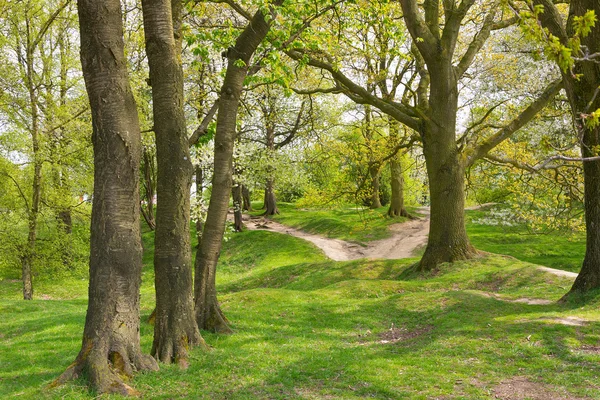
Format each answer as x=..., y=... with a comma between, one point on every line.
x=521, y=388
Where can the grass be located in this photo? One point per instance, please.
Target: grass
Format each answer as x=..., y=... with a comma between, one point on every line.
x=556, y=250
x=310, y=328
x=351, y=223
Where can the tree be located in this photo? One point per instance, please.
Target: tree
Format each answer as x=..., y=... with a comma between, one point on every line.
x=208, y=312
x=43, y=102
x=175, y=329
x=433, y=107
x=575, y=46
x=110, y=351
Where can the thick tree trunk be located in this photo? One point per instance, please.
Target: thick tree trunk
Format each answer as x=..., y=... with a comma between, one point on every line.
x=270, y=199
x=246, y=199
x=175, y=330
x=397, y=184
x=208, y=313
x=111, y=340
x=582, y=94
x=374, y=172
x=448, y=240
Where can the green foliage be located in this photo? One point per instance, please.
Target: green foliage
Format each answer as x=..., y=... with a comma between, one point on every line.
x=556, y=50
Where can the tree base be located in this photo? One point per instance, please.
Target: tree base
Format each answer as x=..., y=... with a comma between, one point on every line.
x=213, y=320
x=436, y=255
x=271, y=212
x=394, y=213
x=175, y=348
x=587, y=281
x=107, y=372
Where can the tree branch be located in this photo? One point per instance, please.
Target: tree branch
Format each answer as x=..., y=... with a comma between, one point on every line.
x=203, y=127
x=473, y=154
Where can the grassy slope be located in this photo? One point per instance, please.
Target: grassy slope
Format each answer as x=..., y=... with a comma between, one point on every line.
x=309, y=328
x=354, y=224
x=555, y=250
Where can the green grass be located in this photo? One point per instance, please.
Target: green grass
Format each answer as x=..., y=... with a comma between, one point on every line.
x=561, y=250
x=310, y=328
x=351, y=223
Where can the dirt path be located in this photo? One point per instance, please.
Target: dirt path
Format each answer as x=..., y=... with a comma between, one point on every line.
x=406, y=238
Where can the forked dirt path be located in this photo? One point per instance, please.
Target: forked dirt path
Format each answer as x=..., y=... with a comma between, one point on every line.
x=406, y=238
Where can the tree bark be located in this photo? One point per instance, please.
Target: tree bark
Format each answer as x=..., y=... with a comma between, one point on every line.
x=208, y=312
x=448, y=240
x=583, y=98
x=36, y=189
x=175, y=330
x=246, y=198
x=110, y=350
x=236, y=194
x=397, y=184
x=374, y=172
x=149, y=188
x=270, y=198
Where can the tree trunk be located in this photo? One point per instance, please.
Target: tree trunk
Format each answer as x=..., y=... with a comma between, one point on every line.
x=29, y=253
x=582, y=94
x=246, y=198
x=149, y=188
x=374, y=172
x=111, y=340
x=397, y=183
x=448, y=240
x=270, y=199
x=175, y=330
x=236, y=194
x=208, y=312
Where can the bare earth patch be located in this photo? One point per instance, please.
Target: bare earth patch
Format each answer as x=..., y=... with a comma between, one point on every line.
x=559, y=272
x=587, y=349
x=523, y=300
x=521, y=388
x=570, y=321
x=401, y=334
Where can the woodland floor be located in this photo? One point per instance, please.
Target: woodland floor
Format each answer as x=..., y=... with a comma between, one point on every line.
x=308, y=327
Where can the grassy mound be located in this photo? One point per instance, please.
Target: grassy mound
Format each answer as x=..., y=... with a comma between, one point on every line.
x=310, y=328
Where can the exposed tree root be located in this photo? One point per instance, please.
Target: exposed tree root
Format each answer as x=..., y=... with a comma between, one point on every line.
x=211, y=318
x=174, y=347
x=436, y=255
x=107, y=371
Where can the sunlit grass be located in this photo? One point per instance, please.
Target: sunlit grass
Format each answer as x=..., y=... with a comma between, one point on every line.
x=310, y=328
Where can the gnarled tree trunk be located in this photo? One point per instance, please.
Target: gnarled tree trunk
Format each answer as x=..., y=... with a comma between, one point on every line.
x=374, y=172
x=246, y=198
x=110, y=351
x=270, y=199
